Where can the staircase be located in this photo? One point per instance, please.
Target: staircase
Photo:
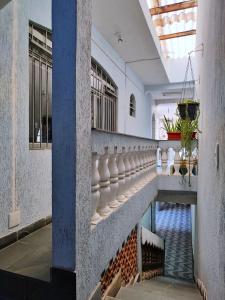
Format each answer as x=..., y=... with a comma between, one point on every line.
x=159, y=288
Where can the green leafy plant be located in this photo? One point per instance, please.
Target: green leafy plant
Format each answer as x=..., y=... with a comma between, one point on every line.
x=189, y=101
x=188, y=143
x=187, y=129
x=170, y=126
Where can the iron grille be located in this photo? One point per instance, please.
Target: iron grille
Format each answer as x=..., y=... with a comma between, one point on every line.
x=40, y=87
x=103, y=99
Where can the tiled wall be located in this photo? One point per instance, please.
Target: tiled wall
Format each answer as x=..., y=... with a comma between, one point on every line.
x=125, y=260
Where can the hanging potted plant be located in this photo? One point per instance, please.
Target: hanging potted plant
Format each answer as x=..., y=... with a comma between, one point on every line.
x=188, y=109
x=188, y=143
x=183, y=168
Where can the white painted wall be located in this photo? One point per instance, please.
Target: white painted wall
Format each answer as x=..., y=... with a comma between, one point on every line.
x=26, y=187
x=211, y=179
x=146, y=219
x=167, y=109
x=126, y=80
x=128, y=83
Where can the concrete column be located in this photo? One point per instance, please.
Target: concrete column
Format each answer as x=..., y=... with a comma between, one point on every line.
x=211, y=179
x=71, y=150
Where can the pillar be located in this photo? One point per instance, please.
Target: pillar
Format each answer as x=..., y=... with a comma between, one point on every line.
x=71, y=150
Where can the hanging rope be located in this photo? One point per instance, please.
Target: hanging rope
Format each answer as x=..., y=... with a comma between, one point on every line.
x=188, y=83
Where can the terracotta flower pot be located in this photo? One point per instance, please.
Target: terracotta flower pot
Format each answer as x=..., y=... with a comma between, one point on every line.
x=176, y=136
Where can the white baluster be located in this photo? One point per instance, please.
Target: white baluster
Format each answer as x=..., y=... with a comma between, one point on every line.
x=195, y=162
x=142, y=169
x=177, y=161
x=133, y=172
x=104, y=209
x=95, y=194
x=146, y=167
x=137, y=163
x=149, y=165
x=128, y=192
x=164, y=161
x=154, y=161
x=121, y=176
x=113, y=170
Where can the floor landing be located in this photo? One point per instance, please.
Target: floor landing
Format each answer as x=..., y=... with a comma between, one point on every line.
x=30, y=256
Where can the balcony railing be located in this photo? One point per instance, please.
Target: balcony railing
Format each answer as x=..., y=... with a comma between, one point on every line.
x=172, y=160
x=122, y=165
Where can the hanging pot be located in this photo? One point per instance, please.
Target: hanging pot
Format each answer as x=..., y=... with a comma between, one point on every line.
x=182, y=108
x=188, y=110
x=192, y=109
x=183, y=170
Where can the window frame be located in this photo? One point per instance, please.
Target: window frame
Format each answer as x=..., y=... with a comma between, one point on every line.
x=40, y=50
x=104, y=99
x=132, y=106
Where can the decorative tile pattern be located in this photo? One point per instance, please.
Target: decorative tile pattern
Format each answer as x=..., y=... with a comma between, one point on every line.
x=125, y=260
x=173, y=223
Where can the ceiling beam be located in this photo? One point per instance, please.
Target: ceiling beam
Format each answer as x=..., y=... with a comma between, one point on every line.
x=173, y=7
x=176, y=35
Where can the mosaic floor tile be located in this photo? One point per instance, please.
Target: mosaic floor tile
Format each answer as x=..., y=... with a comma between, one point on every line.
x=173, y=223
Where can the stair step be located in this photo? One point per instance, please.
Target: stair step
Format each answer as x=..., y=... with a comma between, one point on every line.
x=172, y=280
x=131, y=293
x=170, y=287
x=173, y=292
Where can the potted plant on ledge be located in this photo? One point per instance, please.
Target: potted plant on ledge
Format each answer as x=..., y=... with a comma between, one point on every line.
x=173, y=129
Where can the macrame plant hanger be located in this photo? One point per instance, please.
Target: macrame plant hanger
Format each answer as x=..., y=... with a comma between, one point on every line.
x=188, y=83
x=188, y=86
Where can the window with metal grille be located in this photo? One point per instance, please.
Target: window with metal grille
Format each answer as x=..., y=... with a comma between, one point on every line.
x=103, y=99
x=132, y=106
x=103, y=91
x=40, y=87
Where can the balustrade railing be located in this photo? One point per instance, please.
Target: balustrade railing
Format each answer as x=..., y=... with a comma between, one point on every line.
x=121, y=166
x=173, y=160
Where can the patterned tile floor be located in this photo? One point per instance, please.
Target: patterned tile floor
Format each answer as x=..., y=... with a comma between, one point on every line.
x=173, y=223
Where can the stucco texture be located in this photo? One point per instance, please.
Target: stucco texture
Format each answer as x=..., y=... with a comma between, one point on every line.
x=25, y=174
x=211, y=184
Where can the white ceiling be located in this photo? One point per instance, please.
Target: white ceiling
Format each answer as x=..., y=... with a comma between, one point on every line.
x=138, y=47
x=171, y=92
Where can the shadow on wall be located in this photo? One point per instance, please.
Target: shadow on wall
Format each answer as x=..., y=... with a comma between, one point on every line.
x=3, y=3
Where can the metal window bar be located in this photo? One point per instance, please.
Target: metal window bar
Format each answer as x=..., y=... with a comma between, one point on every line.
x=132, y=106
x=103, y=99
x=40, y=56
x=103, y=90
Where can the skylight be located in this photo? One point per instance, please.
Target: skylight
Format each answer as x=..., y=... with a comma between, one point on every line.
x=175, y=24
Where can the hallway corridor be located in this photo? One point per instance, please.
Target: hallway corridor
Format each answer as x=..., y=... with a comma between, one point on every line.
x=173, y=223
